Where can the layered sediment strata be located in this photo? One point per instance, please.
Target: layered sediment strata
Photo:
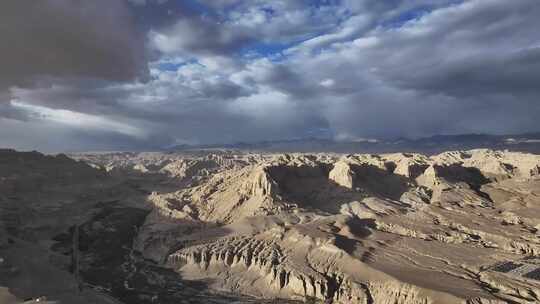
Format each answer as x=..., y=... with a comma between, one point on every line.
x=448, y=201
x=390, y=228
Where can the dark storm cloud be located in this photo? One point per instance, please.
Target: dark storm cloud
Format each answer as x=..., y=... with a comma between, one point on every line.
x=470, y=67
x=481, y=47
x=515, y=73
x=10, y=112
x=83, y=95
x=285, y=79
x=232, y=70
x=65, y=38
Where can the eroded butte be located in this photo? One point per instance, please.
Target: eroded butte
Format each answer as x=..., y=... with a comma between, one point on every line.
x=223, y=227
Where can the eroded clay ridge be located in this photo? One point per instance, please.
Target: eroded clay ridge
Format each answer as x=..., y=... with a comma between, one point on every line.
x=347, y=227
x=458, y=227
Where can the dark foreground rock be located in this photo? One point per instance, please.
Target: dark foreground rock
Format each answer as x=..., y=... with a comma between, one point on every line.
x=107, y=263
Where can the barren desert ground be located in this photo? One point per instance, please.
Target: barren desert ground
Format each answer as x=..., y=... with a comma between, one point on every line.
x=232, y=227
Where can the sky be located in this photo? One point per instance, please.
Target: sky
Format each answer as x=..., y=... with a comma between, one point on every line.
x=148, y=74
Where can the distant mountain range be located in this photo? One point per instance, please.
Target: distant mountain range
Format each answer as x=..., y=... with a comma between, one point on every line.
x=529, y=142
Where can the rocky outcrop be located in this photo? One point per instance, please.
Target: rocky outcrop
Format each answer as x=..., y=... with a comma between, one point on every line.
x=33, y=171
x=342, y=174
x=493, y=164
x=192, y=168
x=390, y=228
x=272, y=270
x=260, y=184
x=266, y=259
